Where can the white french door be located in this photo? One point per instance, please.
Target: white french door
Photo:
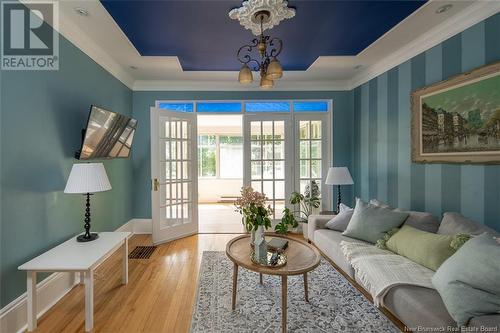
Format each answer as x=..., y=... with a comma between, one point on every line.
x=267, y=150
x=174, y=194
x=312, y=157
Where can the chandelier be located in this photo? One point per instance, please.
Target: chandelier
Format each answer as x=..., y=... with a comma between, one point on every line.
x=268, y=48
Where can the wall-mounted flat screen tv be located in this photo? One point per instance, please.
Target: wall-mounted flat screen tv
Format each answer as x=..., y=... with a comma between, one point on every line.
x=108, y=135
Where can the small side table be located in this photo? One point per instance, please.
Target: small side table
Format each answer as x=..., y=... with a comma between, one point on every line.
x=78, y=258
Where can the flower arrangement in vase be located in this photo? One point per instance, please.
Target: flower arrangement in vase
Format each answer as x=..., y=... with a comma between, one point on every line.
x=255, y=211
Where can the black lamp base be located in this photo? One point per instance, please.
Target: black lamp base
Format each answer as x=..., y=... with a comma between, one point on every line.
x=84, y=238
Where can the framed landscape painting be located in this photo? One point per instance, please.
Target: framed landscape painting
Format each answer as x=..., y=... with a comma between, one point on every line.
x=458, y=120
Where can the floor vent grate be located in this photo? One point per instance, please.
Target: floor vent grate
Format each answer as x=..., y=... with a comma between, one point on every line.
x=142, y=252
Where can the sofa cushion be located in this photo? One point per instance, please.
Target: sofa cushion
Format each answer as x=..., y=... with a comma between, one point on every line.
x=418, y=306
x=455, y=223
x=424, y=248
x=420, y=220
x=468, y=280
x=339, y=222
x=483, y=322
x=370, y=223
x=328, y=241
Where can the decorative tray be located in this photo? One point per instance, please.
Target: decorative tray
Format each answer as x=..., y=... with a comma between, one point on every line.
x=280, y=262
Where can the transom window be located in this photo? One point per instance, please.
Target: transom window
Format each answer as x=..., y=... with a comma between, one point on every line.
x=246, y=106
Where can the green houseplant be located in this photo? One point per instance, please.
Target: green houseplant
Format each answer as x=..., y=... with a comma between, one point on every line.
x=306, y=203
x=255, y=213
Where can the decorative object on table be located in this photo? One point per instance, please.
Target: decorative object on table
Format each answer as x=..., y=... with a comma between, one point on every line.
x=87, y=179
x=260, y=246
x=458, y=120
x=258, y=16
x=254, y=211
x=339, y=176
x=341, y=306
x=271, y=259
x=277, y=244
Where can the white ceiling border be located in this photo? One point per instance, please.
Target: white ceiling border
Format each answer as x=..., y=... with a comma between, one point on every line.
x=224, y=85
x=470, y=16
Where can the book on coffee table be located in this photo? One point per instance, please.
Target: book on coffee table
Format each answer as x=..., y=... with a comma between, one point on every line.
x=277, y=244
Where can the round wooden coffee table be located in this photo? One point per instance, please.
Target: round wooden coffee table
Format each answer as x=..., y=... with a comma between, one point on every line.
x=301, y=258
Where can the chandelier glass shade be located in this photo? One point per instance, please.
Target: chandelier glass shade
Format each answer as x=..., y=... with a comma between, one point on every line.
x=268, y=65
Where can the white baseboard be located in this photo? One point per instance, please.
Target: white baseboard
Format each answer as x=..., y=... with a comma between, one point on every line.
x=138, y=226
x=13, y=316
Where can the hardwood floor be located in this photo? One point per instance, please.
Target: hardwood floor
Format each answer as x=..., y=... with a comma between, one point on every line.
x=158, y=298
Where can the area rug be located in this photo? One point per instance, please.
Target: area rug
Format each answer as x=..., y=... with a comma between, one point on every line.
x=334, y=305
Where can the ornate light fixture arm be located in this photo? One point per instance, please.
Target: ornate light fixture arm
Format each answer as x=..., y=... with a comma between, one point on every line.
x=244, y=57
x=276, y=46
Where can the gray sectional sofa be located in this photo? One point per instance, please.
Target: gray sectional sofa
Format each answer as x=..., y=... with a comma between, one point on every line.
x=416, y=307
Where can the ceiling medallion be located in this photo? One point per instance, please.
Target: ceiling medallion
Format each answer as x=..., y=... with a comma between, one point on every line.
x=278, y=11
x=268, y=49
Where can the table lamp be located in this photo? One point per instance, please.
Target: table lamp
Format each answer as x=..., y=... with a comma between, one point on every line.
x=87, y=179
x=338, y=176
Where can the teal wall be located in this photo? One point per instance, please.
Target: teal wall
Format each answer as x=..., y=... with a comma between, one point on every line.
x=42, y=114
x=141, y=155
x=382, y=163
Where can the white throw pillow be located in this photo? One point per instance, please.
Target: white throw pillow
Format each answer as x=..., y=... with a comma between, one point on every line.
x=340, y=221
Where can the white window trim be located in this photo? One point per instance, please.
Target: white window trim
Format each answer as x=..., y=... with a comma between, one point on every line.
x=217, y=157
x=329, y=125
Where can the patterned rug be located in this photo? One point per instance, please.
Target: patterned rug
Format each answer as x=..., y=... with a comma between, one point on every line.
x=334, y=305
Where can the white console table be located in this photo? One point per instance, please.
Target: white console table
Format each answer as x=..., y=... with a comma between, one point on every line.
x=82, y=258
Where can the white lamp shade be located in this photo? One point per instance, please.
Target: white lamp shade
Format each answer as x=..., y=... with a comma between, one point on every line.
x=87, y=178
x=339, y=176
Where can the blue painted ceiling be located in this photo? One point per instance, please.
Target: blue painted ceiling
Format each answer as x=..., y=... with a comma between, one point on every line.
x=204, y=38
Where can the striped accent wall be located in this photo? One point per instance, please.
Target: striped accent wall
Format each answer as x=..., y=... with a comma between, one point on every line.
x=382, y=162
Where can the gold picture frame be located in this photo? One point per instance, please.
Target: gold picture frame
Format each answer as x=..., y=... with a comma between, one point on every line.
x=458, y=120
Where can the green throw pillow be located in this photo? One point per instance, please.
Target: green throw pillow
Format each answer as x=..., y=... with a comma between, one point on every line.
x=425, y=248
x=468, y=281
x=370, y=223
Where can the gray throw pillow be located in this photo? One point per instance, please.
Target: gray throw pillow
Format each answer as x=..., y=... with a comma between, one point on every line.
x=421, y=220
x=468, y=281
x=341, y=220
x=370, y=223
x=454, y=223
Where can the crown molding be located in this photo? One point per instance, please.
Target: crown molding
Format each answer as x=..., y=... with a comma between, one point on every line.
x=69, y=30
x=78, y=37
x=471, y=15
x=233, y=85
x=474, y=14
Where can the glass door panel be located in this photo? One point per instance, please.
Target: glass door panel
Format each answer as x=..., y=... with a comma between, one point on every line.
x=266, y=159
x=173, y=169
x=312, y=156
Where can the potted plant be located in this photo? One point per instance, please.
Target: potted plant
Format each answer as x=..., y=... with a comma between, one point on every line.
x=255, y=213
x=306, y=203
x=288, y=220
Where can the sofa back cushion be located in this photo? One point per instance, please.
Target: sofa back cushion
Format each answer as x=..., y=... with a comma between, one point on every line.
x=468, y=280
x=454, y=223
x=423, y=221
x=419, y=220
x=425, y=248
x=370, y=223
x=340, y=221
